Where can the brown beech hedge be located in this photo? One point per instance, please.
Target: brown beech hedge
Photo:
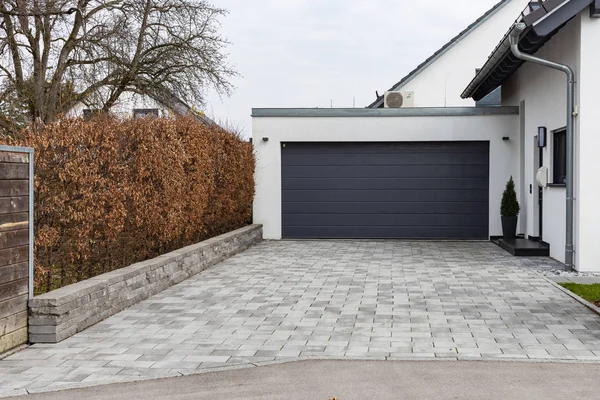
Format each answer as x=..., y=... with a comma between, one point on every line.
x=110, y=193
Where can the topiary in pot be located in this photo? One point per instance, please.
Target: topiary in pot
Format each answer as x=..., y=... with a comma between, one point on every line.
x=509, y=210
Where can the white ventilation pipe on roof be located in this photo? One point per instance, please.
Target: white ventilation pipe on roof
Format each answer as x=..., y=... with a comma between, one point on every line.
x=515, y=36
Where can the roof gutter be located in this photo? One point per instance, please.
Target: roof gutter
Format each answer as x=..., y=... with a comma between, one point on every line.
x=540, y=26
x=514, y=37
x=492, y=63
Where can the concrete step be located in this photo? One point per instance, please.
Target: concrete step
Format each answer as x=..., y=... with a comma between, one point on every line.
x=524, y=247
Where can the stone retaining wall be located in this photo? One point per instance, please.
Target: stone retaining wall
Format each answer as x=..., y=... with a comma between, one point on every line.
x=62, y=313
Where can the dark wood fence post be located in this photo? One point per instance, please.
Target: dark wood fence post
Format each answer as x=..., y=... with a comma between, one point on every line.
x=16, y=244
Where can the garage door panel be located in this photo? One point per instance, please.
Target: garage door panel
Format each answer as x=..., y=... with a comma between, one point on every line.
x=385, y=232
x=385, y=159
x=400, y=220
x=385, y=208
x=399, y=148
x=385, y=190
x=384, y=195
x=370, y=171
x=385, y=183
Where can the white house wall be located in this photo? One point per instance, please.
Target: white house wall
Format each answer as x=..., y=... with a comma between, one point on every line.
x=442, y=82
x=267, y=204
x=124, y=107
x=543, y=91
x=588, y=193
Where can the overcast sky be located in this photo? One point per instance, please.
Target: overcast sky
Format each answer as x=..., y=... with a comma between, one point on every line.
x=312, y=53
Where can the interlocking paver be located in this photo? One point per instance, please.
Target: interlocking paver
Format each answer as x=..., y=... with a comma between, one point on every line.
x=342, y=299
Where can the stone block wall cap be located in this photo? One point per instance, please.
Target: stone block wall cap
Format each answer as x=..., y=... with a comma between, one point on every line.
x=124, y=273
x=68, y=293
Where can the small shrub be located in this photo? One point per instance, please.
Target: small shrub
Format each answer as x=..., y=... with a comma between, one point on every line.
x=110, y=193
x=510, y=205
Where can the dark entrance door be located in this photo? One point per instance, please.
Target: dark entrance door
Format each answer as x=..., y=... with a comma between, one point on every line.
x=541, y=197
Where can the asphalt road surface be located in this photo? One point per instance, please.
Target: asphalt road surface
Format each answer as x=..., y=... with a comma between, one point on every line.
x=346, y=380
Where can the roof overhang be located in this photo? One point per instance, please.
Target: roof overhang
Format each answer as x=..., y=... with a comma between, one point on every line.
x=542, y=24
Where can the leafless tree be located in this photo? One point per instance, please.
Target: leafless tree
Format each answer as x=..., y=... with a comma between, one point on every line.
x=55, y=53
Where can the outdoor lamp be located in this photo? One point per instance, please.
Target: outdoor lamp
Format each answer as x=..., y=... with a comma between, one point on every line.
x=542, y=133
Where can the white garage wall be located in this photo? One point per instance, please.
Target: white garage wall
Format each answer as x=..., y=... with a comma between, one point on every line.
x=504, y=155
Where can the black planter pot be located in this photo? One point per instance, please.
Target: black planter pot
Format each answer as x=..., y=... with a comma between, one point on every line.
x=509, y=227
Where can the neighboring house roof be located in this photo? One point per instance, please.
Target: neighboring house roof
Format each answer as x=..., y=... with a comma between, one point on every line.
x=379, y=102
x=178, y=106
x=542, y=22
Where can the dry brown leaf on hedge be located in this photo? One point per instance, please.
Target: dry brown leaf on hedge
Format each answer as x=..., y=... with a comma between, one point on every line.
x=110, y=193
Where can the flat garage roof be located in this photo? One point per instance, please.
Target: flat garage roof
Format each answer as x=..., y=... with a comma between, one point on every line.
x=383, y=112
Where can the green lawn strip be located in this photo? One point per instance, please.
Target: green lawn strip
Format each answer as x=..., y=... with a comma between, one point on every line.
x=589, y=292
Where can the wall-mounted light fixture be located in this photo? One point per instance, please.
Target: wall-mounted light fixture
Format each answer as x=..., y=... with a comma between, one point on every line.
x=506, y=138
x=265, y=139
x=542, y=136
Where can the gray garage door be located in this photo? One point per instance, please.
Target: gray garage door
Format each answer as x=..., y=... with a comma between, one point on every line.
x=434, y=190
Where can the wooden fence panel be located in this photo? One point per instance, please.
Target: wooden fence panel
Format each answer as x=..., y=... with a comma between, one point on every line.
x=15, y=244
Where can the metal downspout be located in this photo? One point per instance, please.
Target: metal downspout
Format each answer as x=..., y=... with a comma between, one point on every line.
x=515, y=37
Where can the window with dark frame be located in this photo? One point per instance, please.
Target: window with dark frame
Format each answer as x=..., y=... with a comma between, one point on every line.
x=145, y=113
x=493, y=99
x=559, y=160
x=88, y=113
x=534, y=5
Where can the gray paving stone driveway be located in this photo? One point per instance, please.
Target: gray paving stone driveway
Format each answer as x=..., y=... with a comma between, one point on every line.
x=338, y=299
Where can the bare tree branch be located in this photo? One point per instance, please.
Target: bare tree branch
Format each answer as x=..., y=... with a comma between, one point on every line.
x=55, y=53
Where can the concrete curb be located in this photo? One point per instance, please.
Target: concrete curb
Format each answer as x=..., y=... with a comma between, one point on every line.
x=573, y=295
x=13, y=351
